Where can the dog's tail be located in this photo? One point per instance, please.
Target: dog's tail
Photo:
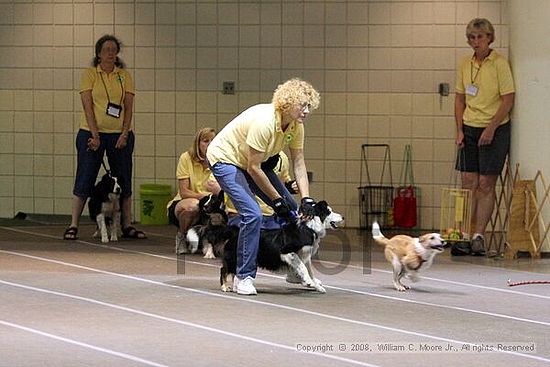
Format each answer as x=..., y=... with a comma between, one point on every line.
x=377, y=235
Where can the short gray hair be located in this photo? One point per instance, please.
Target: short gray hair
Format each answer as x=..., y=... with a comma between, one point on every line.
x=483, y=25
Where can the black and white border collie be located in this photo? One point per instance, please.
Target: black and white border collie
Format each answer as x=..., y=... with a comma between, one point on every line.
x=211, y=228
x=287, y=249
x=104, y=208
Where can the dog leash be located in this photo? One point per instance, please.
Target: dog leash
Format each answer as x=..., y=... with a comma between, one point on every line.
x=513, y=284
x=293, y=218
x=105, y=166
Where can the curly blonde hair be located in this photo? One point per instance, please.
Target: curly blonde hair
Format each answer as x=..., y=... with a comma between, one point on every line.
x=295, y=92
x=194, y=149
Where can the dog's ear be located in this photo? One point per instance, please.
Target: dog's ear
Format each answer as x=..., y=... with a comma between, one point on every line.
x=107, y=181
x=321, y=210
x=203, y=201
x=217, y=201
x=425, y=239
x=103, y=182
x=110, y=182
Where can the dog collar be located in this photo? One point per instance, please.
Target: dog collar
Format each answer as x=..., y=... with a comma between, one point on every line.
x=420, y=262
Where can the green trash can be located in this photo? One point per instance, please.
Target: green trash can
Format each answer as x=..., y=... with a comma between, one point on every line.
x=154, y=199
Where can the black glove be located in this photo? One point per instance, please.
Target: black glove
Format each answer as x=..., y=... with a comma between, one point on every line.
x=289, y=187
x=307, y=207
x=281, y=208
x=271, y=163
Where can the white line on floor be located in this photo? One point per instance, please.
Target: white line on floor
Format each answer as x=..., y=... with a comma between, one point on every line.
x=81, y=344
x=350, y=290
x=248, y=299
x=172, y=258
x=164, y=318
x=453, y=282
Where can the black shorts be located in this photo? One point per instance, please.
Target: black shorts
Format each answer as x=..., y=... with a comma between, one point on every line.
x=487, y=160
x=172, y=219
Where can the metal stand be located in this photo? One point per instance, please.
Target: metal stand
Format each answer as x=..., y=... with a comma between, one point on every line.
x=376, y=199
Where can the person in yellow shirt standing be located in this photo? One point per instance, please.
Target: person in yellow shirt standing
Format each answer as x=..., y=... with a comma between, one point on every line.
x=484, y=97
x=236, y=156
x=193, y=175
x=107, y=94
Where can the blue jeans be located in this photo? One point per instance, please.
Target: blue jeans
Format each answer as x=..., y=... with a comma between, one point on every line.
x=241, y=189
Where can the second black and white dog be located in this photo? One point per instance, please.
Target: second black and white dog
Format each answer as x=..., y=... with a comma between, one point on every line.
x=211, y=228
x=287, y=249
x=104, y=208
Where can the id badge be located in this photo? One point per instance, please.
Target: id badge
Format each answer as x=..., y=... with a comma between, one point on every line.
x=114, y=110
x=472, y=90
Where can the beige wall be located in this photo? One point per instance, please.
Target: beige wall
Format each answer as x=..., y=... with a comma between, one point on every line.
x=376, y=63
x=530, y=59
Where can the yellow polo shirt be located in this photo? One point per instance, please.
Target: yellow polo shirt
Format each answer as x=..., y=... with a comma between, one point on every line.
x=197, y=174
x=115, y=83
x=283, y=171
x=258, y=127
x=283, y=168
x=493, y=79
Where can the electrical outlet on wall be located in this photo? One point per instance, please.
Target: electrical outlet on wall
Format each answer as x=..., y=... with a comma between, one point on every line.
x=228, y=87
x=444, y=89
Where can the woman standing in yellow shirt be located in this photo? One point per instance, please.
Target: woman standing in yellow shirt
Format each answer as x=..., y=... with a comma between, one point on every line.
x=484, y=97
x=107, y=94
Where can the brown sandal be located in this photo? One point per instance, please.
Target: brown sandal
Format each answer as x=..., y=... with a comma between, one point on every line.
x=71, y=234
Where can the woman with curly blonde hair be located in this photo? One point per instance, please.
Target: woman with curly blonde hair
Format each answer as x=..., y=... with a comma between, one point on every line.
x=242, y=157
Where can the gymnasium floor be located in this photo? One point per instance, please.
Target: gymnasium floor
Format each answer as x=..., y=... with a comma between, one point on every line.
x=133, y=303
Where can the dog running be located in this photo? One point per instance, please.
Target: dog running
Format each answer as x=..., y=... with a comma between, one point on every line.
x=289, y=249
x=408, y=255
x=104, y=208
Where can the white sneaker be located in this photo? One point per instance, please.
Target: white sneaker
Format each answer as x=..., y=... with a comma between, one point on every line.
x=181, y=243
x=246, y=286
x=235, y=283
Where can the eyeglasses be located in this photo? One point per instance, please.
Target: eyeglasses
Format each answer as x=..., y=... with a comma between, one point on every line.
x=109, y=50
x=472, y=37
x=305, y=106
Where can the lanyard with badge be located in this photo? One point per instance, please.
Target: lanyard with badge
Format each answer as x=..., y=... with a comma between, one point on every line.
x=472, y=89
x=113, y=109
